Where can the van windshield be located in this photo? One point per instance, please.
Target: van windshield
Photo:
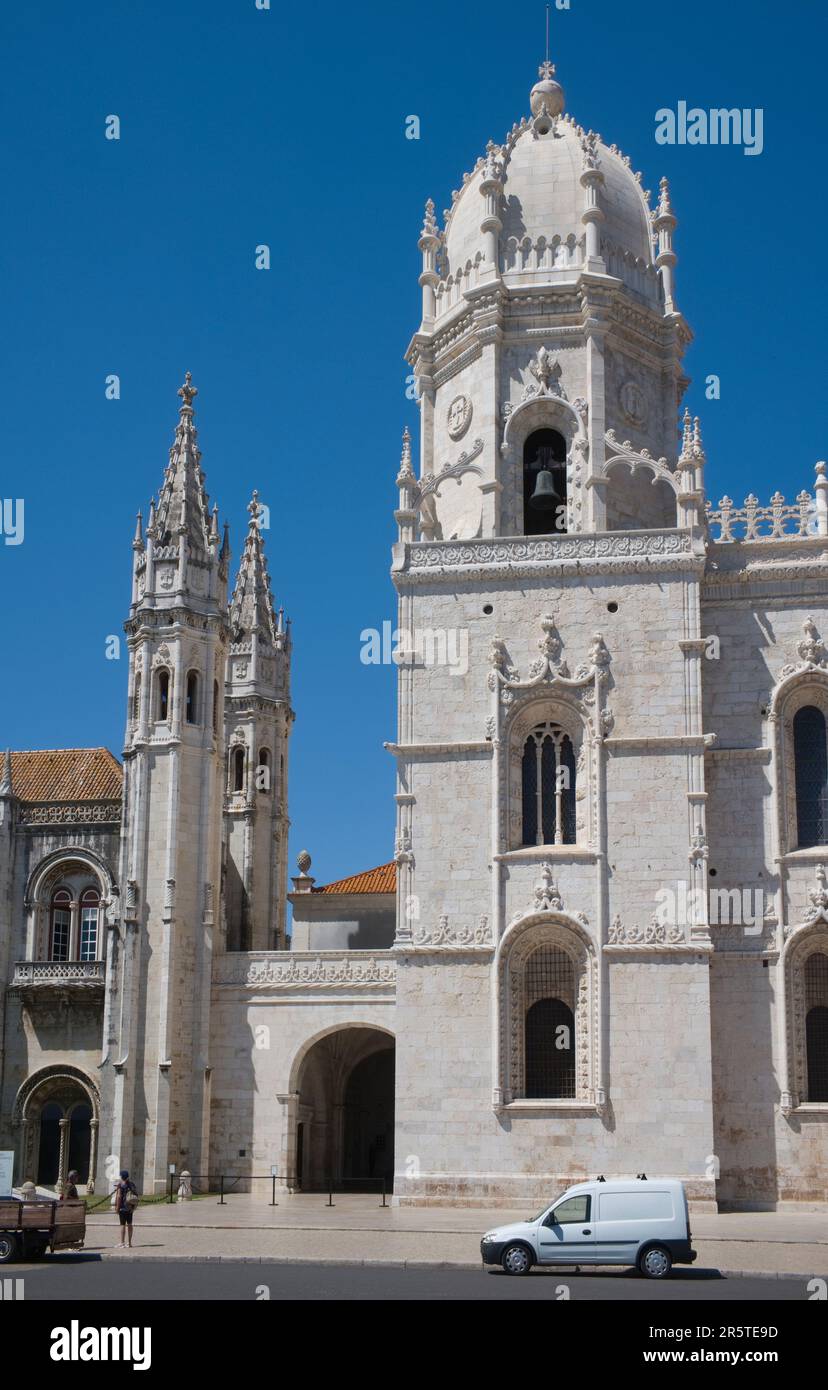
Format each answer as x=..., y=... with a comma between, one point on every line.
x=544, y=1209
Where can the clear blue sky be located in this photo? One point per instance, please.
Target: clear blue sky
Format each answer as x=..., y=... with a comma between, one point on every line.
x=287, y=127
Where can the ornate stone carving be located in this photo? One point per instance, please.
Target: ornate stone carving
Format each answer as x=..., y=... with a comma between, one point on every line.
x=633, y=403
x=658, y=933
x=296, y=970
x=70, y=813
x=813, y=655
x=459, y=417
x=444, y=935
x=547, y=375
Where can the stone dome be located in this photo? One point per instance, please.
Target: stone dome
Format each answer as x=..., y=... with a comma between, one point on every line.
x=543, y=200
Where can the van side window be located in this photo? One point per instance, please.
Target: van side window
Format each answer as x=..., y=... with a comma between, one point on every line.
x=575, y=1209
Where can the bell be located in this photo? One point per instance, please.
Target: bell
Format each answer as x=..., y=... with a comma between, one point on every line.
x=544, y=498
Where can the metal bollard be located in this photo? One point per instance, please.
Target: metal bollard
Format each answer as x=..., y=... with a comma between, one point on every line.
x=221, y=1201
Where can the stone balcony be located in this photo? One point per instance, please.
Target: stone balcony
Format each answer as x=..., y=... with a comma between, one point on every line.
x=76, y=978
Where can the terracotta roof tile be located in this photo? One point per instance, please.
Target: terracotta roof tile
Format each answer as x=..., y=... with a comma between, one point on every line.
x=66, y=774
x=381, y=880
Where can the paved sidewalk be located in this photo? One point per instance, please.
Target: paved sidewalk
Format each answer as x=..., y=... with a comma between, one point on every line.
x=357, y=1229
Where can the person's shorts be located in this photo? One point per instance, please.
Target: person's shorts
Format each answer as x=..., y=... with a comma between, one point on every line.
x=125, y=1216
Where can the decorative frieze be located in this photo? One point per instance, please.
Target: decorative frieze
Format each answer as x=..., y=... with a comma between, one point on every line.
x=624, y=552
x=446, y=936
x=298, y=970
x=70, y=813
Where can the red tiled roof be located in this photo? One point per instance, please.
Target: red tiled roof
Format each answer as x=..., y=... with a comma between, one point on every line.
x=381, y=880
x=66, y=774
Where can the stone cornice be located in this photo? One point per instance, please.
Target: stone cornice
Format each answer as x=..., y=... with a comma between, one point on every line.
x=618, y=552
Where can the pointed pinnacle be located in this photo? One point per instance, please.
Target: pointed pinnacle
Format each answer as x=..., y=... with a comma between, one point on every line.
x=187, y=392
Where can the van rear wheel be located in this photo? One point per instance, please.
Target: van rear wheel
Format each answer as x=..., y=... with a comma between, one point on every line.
x=655, y=1262
x=516, y=1259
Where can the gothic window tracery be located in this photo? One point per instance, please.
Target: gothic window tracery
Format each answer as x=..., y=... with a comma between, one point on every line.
x=74, y=918
x=548, y=787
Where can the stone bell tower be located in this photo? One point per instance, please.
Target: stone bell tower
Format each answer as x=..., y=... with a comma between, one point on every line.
x=258, y=718
x=553, y=538
x=156, y=1067
x=550, y=339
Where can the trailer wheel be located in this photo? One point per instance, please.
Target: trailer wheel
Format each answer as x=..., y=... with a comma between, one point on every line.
x=8, y=1248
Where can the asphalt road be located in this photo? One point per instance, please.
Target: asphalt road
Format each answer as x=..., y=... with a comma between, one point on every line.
x=86, y=1278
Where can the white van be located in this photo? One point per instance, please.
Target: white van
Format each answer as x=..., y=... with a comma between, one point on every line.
x=638, y=1222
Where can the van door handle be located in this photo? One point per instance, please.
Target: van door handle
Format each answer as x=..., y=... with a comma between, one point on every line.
x=586, y=1232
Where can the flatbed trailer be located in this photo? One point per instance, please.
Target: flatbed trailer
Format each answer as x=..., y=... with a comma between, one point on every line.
x=29, y=1229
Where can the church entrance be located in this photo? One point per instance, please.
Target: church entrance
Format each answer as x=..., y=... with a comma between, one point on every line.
x=345, y=1129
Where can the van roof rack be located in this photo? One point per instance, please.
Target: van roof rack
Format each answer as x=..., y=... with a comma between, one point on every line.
x=642, y=1177
x=600, y=1178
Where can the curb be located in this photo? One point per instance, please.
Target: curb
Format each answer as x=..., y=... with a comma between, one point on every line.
x=336, y=1263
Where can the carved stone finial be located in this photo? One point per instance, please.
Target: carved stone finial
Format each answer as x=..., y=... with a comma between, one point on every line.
x=187, y=392
x=599, y=652
x=429, y=220
x=547, y=373
x=406, y=474
x=698, y=447
x=811, y=648
x=547, y=897
x=303, y=862
x=818, y=897
x=255, y=508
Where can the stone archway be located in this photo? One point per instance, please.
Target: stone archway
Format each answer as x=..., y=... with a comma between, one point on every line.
x=58, y=1114
x=345, y=1112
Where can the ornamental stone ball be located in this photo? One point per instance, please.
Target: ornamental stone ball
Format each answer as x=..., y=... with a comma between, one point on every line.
x=547, y=96
x=303, y=861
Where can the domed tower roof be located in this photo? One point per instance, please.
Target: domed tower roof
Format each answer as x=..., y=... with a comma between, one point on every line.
x=540, y=168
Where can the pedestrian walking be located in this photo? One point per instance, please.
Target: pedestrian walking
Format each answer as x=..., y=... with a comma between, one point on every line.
x=126, y=1200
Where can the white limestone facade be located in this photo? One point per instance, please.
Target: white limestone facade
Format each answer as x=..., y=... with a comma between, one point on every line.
x=602, y=945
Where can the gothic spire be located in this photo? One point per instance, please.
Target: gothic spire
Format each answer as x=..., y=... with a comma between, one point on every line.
x=183, y=506
x=251, y=607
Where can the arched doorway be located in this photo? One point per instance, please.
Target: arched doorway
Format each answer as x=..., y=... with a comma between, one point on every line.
x=57, y=1110
x=345, y=1120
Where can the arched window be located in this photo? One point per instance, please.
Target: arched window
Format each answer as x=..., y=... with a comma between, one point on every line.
x=548, y=787
x=162, y=704
x=60, y=925
x=89, y=920
x=816, y=1025
x=811, y=771
x=215, y=707
x=263, y=771
x=549, y=1025
x=544, y=484
x=191, y=706
x=238, y=770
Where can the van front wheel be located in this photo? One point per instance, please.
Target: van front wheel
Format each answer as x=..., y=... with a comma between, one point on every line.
x=655, y=1262
x=516, y=1259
